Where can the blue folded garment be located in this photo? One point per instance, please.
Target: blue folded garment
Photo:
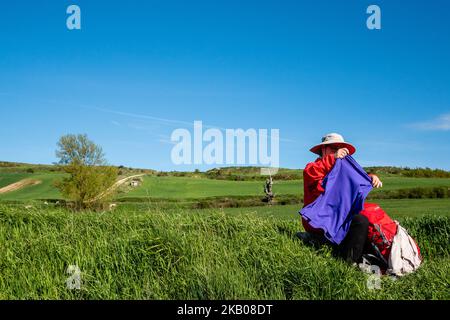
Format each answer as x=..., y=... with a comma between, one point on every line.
x=346, y=188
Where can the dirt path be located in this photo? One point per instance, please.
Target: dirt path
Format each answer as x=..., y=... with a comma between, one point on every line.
x=116, y=185
x=19, y=185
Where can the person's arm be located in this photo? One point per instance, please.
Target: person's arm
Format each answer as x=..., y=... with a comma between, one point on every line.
x=313, y=176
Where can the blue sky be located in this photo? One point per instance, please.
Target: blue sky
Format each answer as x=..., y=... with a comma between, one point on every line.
x=140, y=69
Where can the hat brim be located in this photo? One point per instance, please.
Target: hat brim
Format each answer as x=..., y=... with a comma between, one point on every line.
x=318, y=149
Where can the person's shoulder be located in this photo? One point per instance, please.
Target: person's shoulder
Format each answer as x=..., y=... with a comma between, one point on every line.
x=314, y=163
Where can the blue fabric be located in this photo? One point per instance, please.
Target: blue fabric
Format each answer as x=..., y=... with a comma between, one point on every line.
x=346, y=188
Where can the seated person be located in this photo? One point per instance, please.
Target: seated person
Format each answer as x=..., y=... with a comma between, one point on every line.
x=334, y=147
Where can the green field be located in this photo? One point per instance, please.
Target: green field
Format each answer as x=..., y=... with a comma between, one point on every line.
x=45, y=190
x=7, y=178
x=395, y=208
x=394, y=183
x=206, y=254
x=181, y=187
x=195, y=188
x=145, y=249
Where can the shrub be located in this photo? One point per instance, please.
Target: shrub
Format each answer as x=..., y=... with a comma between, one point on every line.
x=87, y=186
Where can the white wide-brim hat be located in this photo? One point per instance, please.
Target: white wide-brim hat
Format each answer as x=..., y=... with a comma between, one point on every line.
x=334, y=139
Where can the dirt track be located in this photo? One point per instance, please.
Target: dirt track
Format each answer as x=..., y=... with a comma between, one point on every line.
x=19, y=185
x=116, y=185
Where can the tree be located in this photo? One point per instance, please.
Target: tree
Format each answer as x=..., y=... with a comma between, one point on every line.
x=78, y=148
x=90, y=179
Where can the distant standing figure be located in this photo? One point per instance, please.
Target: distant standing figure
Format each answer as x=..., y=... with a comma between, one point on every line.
x=268, y=190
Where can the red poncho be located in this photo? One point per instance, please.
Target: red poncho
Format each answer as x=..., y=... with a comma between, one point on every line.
x=313, y=176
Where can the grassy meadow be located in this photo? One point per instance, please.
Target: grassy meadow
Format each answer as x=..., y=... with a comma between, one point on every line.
x=396, y=208
x=42, y=191
x=170, y=187
x=181, y=187
x=144, y=249
x=195, y=255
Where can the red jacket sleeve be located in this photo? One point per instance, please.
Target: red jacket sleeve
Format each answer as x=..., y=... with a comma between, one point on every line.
x=313, y=176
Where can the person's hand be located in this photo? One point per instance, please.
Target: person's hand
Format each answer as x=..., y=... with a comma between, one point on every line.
x=341, y=153
x=376, y=182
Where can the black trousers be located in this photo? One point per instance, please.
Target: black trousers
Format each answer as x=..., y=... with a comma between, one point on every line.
x=352, y=248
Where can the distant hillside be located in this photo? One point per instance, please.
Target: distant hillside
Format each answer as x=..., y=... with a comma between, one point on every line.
x=410, y=172
x=233, y=173
x=18, y=167
x=253, y=173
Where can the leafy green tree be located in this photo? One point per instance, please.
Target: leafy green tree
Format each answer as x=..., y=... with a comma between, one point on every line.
x=90, y=181
x=78, y=148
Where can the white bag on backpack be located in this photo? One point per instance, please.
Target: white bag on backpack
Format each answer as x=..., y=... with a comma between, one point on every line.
x=404, y=257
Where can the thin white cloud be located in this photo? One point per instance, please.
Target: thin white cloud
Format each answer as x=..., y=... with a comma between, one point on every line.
x=441, y=123
x=165, y=141
x=165, y=121
x=144, y=117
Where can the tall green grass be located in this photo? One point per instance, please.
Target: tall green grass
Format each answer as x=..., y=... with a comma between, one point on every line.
x=194, y=255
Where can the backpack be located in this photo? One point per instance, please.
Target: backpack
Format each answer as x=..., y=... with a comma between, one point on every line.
x=382, y=230
x=405, y=254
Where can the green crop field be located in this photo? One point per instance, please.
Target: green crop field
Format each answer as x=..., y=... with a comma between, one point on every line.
x=195, y=188
x=7, y=178
x=395, y=208
x=393, y=183
x=45, y=190
x=181, y=187
x=146, y=251
x=207, y=254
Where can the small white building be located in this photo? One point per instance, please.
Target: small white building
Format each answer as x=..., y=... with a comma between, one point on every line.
x=134, y=183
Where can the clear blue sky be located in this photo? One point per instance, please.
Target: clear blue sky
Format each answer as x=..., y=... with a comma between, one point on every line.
x=140, y=69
